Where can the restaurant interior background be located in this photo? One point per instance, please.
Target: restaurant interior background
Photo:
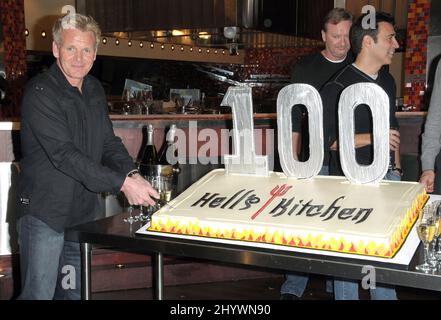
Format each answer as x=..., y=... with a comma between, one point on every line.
x=204, y=44
x=268, y=38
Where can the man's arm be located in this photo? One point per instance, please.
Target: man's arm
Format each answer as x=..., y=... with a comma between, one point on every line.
x=431, y=144
x=428, y=180
x=49, y=126
x=330, y=94
x=431, y=138
x=363, y=139
x=296, y=144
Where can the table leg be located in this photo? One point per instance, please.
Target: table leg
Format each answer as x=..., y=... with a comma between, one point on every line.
x=159, y=276
x=86, y=288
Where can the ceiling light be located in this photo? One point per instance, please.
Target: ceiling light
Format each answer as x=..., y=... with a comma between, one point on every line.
x=141, y=44
x=177, y=33
x=182, y=48
x=129, y=43
x=230, y=32
x=204, y=35
x=104, y=40
x=162, y=46
x=152, y=45
x=26, y=32
x=173, y=47
x=43, y=34
x=117, y=42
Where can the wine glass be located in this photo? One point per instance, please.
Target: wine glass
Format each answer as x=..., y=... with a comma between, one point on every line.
x=437, y=244
x=426, y=230
x=433, y=261
x=130, y=219
x=154, y=182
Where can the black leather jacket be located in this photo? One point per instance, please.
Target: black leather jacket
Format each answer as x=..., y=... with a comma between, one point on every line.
x=69, y=151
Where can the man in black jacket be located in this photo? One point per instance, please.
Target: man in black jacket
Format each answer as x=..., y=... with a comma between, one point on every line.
x=70, y=154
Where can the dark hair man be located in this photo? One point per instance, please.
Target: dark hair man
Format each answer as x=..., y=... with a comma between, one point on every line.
x=374, y=48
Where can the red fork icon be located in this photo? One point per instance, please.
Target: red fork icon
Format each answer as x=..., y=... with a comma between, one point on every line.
x=276, y=192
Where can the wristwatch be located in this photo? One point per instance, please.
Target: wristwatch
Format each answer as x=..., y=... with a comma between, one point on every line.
x=132, y=173
x=398, y=170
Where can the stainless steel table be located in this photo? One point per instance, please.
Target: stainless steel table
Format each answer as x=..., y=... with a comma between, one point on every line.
x=114, y=232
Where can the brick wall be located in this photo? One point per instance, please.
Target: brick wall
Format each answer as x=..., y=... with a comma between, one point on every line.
x=416, y=53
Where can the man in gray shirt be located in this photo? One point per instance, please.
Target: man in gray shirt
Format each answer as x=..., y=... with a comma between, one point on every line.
x=431, y=144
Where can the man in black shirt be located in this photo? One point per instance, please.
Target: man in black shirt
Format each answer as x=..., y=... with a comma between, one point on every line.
x=70, y=154
x=374, y=48
x=316, y=70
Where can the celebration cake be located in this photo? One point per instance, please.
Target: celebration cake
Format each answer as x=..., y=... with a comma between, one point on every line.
x=323, y=213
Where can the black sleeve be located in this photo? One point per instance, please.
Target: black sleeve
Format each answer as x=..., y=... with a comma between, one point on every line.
x=330, y=94
x=298, y=73
x=49, y=126
x=297, y=111
x=297, y=118
x=393, y=108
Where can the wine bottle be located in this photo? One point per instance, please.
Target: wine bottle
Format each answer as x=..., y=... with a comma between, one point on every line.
x=167, y=152
x=149, y=156
x=127, y=105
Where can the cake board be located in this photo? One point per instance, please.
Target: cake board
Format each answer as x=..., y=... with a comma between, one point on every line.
x=216, y=178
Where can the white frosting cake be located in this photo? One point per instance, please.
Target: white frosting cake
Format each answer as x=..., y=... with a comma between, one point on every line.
x=324, y=213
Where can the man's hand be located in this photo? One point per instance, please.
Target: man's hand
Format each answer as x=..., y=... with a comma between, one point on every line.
x=428, y=180
x=138, y=191
x=394, y=139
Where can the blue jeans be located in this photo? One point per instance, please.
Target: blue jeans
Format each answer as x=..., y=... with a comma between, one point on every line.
x=50, y=267
x=295, y=283
x=348, y=290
